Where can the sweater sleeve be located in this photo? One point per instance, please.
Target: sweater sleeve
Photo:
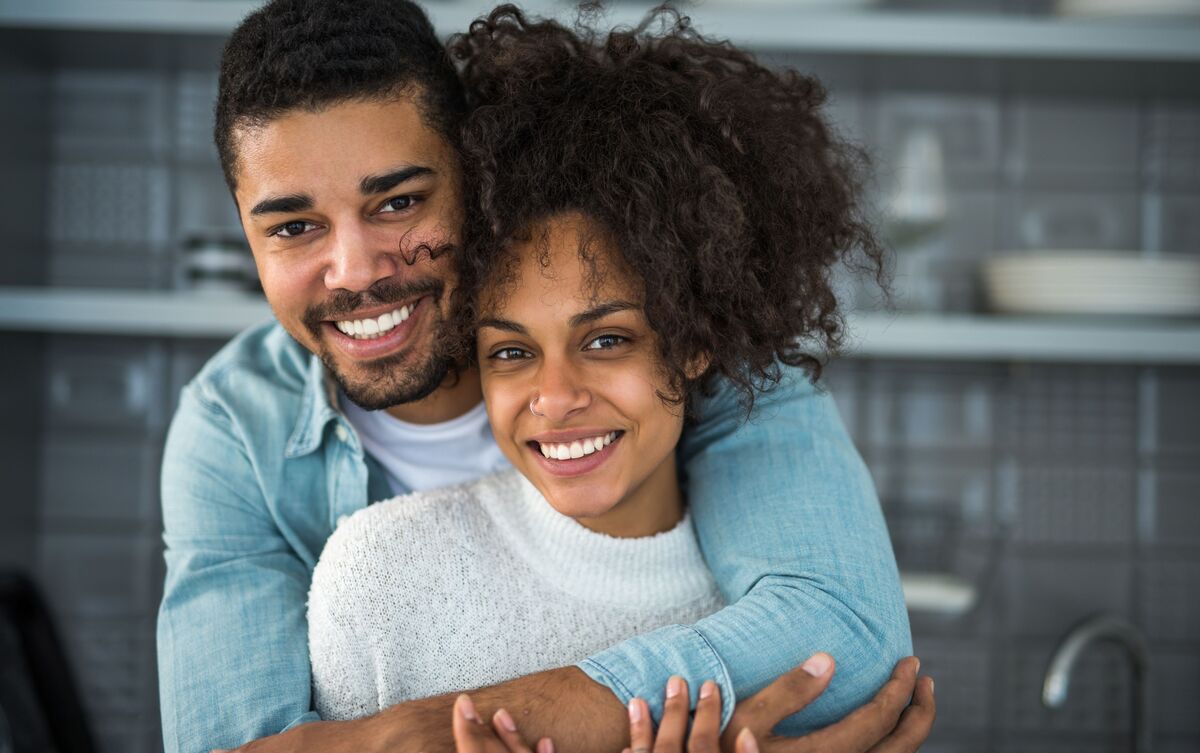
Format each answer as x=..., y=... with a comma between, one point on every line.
x=344, y=666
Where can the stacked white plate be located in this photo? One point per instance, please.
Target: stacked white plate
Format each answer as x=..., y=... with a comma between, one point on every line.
x=1128, y=8
x=1093, y=282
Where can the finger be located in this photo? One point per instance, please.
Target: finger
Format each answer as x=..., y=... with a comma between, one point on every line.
x=471, y=735
x=870, y=724
x=746, y=742
x=706, y=725
x=673, y=726
x=545, y=745
x=506, y=729
x=915, y=722
x=641, y=730
x=785, y=696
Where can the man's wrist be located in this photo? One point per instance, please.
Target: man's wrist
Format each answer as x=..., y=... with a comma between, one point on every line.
x=566, y=705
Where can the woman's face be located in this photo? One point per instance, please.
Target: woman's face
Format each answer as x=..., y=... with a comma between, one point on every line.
x=599, y=442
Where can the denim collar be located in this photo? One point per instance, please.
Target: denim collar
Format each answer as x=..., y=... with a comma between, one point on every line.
x=316, y=410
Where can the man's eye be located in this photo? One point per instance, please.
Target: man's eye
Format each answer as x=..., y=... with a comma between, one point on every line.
x=510, y=354
x=292, y=229
x=397, y=204
x=606, y=342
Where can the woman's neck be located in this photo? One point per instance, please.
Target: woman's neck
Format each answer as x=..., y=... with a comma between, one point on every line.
x=655, y=506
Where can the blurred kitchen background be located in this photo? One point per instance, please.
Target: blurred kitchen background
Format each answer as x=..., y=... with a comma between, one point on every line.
x=1031, y=417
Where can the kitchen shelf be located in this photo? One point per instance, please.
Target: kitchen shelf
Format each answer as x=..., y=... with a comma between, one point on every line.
x=977, y=337
x=772, y=26
x=130, y=312
x=944, y=337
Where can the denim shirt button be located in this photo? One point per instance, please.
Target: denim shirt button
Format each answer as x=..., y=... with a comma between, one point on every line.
x=342, y=434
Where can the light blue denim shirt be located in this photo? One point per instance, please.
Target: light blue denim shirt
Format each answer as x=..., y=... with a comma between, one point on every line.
x=260, y=465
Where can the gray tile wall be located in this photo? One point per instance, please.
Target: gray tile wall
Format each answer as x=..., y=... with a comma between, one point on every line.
x=1058, y=490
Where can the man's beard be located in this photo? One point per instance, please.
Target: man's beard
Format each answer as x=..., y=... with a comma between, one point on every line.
x=403, y=377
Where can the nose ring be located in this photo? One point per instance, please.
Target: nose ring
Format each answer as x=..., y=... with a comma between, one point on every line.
x=532, y=403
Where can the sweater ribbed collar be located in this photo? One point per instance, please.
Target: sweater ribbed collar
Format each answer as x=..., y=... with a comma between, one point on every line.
x=662, y=570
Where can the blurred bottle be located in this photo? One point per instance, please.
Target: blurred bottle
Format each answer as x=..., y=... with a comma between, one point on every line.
x=916, y=221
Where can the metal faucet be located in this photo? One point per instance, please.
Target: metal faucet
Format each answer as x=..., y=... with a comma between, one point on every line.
x=1103, y=628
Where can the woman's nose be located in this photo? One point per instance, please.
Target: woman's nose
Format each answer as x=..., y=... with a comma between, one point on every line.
x=561, y=393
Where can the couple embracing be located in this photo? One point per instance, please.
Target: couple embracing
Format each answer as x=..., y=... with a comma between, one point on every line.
x=537, y=420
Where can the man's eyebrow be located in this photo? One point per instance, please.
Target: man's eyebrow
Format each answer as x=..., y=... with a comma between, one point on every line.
x=373, y=184
x=503, y=324
x=282, y=205
x=601, y=311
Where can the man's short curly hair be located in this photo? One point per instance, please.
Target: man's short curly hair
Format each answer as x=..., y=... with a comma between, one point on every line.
x=721, y=184
x=307, y=54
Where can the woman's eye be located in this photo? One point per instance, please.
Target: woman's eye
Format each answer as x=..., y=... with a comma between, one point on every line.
x=292, y=229
x=606, y=342
x=510, y=354
x=397, y=204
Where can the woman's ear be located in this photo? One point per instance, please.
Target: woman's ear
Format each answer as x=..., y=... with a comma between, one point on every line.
x=697, y=365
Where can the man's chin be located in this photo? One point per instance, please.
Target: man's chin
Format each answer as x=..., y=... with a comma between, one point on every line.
x=390, y=381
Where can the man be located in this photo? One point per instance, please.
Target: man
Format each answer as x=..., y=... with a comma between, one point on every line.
x=335, y=126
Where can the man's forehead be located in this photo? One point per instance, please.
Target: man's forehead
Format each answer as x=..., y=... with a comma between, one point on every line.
x=338, y=145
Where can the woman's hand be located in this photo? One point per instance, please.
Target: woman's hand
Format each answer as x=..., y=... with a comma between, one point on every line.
x=472, y=735
x=705, y=736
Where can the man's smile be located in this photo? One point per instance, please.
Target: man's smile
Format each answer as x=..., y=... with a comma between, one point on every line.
x=369, y=334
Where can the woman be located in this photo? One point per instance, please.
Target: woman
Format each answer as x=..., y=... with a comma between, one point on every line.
x=650, y=213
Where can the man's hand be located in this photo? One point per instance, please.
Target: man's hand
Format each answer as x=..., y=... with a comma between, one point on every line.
x=882, y=726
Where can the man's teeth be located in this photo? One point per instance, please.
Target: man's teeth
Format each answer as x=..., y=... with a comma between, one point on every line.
x=576, y=449
x=369, y=329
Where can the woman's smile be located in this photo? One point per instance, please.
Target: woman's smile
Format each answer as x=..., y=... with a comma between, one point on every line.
x=573, y=457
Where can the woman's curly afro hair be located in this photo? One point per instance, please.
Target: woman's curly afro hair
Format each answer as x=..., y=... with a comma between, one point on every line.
x=717, y=180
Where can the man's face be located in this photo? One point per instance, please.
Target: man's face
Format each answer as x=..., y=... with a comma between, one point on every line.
x=348, y=210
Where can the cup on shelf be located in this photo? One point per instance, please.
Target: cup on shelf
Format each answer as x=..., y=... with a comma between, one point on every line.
x=218, y=262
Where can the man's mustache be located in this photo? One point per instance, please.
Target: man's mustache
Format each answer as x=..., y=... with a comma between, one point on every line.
x=383, y=292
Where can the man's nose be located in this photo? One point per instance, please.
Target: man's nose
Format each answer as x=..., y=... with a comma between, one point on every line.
x=357, y=260
x=561, y=391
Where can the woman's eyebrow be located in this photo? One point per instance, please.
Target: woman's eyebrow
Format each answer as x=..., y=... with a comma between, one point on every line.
x=601, y=311
x=502, y=324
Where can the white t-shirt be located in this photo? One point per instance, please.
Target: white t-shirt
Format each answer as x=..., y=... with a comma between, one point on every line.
x=417, y=457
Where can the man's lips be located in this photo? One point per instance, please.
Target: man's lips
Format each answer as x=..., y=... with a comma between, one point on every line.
x=376, y=344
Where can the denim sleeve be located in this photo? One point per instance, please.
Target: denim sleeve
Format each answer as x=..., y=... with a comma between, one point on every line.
x=232, y=636
x=790, y=525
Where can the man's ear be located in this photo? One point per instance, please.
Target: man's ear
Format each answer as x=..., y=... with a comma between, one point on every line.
x=697, y=365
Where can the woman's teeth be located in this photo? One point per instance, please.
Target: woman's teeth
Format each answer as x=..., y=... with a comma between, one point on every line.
x=576, y=449
x=369, y=329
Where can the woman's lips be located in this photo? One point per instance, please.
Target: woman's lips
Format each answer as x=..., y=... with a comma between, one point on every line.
x=574, y=466
x=386, y=344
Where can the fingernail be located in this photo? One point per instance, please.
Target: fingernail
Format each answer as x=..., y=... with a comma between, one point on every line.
x=931, y=686
x=918, y=663
x=674, y=686
x=467, y=708
x=817, y=665
x=707, y=688
x=746, y=742
x=635, y=710
x=506, y=721
x=545, y=745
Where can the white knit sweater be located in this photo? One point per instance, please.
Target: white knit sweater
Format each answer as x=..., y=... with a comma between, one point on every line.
x=472, y=585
